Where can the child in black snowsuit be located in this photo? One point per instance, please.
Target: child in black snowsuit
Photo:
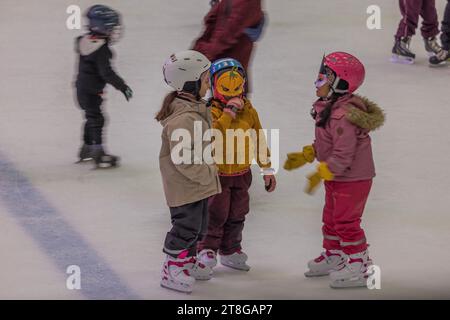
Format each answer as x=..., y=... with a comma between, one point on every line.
x=94, y=72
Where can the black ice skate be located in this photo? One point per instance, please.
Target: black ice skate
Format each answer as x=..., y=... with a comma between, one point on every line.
x=401, y=52
x=441, y=59
x=85, y=154
x=102, y=159
x=432, y=46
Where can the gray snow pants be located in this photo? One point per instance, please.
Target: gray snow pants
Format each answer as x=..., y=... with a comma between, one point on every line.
x=189, y=225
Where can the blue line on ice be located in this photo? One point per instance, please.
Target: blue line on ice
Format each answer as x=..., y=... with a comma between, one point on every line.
x=58, y=239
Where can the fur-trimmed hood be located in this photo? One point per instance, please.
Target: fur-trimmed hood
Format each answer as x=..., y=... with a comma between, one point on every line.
x=364, y=113
x=344, y=143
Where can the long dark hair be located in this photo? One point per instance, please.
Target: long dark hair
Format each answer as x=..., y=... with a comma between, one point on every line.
x=164, y=112
x=325, y=114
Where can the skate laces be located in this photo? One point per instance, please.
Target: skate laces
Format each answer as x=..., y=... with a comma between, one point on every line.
x=355, y=260
x=405, y=42
x=181, y=260
x=180, y=264
x=196, y=263
x=326, y=255
x=323, y=256
x=434, y=45
x=365, y=263
x=442, y=55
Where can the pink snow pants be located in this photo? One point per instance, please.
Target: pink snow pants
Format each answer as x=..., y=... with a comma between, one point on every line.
x=344, y=206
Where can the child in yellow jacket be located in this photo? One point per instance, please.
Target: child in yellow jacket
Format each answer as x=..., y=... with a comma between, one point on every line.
x=238, y=136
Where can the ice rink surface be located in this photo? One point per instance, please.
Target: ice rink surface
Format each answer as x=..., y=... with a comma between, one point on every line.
x=54, y=213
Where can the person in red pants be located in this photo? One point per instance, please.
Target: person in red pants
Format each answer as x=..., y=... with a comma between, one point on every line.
x=343, y=148
x=231, y=29
x=411, y=10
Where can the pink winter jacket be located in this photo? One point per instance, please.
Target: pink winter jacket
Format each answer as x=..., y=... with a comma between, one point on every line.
x=344, y=143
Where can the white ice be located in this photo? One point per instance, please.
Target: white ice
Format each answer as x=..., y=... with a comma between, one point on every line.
x=122, y=213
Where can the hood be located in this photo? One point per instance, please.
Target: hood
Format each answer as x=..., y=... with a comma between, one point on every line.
x=364, y=113
x=181, y=106
x=87, y=45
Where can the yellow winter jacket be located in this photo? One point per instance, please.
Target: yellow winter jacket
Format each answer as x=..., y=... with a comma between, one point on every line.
x=243, y=136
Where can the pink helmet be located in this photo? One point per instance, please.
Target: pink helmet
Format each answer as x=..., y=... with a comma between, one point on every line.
x=346, y=67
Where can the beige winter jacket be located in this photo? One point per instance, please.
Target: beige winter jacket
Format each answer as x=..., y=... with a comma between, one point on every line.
x=186, y=182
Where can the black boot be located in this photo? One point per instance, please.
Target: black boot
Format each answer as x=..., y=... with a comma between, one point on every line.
x=440, y=59
x=85, y=153
x=401, y=52
x=102, y=159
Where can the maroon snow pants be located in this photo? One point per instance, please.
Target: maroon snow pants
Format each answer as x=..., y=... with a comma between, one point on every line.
x=226, y=215
x=411, y=10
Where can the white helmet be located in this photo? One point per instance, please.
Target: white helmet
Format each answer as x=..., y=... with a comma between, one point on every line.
x=184, y=66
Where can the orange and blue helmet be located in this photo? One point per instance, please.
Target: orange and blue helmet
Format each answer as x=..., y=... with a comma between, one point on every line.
x=228, y=79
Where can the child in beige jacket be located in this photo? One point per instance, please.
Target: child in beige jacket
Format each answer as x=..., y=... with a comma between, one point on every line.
x=187, y=184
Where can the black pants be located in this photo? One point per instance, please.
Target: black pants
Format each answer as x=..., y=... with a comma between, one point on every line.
x=93, y=127
x=445, y=36
x=189, y=225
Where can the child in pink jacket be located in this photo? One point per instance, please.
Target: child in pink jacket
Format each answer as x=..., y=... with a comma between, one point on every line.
x=343, y=148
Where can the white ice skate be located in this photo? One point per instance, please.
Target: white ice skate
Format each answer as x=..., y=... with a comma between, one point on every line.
x=175, y=275
x=208, y=257
x=198, y=270
x=236, y=261
x=328, y=261
x=354, y=273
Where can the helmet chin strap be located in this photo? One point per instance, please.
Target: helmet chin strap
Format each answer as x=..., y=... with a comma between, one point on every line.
x=334, y=89
x=330, y=93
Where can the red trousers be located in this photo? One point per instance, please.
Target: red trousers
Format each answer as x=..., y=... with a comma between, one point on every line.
x=226, y=215
x=344, y=206
x=411, y=10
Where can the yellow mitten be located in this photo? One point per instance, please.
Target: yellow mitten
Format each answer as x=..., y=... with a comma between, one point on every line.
x=325, y=172
x=314, y=179
x=298, y=159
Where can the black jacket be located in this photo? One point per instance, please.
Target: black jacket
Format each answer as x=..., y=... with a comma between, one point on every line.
x=94, y=69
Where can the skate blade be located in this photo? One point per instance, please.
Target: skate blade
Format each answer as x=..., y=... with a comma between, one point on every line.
x=106, y=166
x=237, y=267
x=349, y=283
x=439, y=65
x=310, y=274
x=401, y=60
x=174, y=287
x=204, y=278
x=85, y=160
